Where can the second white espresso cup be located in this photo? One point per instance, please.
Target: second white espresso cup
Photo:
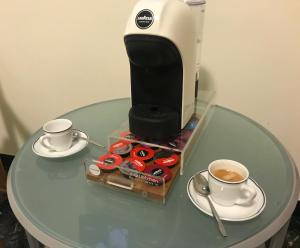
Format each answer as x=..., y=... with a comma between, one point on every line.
x=228, y=183
x=58, y=135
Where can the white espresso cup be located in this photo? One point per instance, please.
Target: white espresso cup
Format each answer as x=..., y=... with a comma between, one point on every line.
x=228, y=183
x=58, y=135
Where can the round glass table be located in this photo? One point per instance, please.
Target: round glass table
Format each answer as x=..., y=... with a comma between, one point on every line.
x=57, y=205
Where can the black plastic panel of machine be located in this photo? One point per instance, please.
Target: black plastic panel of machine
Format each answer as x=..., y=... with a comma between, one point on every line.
x=154, y=123
x=156, y=86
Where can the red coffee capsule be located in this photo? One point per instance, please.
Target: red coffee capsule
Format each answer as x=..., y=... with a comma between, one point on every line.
x=162, y=172
x=133, y=164
x=166, y=158
x=127, y=135
x=121, y=147
x=130, y=136
x=142, y=153
x=109, y=162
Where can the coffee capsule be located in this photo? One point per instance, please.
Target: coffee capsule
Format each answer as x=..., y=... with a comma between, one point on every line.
x=130, y=136
x=109, y=162
x=127, y=135
x=166, y=158
x=161, y=174
x=94, y=170
x=142, y=153
x=121, y=148
x=133, y=164
x=131, y=167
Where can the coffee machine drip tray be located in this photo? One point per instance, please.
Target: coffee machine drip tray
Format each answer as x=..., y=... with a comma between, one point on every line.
x=154, y=122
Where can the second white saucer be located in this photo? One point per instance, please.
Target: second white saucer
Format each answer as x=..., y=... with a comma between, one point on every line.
x=232, y=213
x=77, y=146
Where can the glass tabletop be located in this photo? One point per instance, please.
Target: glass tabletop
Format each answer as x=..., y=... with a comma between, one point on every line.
x=56, y=198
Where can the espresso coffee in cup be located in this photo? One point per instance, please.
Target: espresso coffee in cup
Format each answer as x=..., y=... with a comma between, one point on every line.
x=228, y=175
x=228, y=183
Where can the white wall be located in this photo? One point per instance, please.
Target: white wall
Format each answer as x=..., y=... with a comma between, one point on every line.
x=251, y=54
x=56, y=56
x=59, y=55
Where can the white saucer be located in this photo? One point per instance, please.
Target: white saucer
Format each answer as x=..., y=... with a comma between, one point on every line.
x=232, y=213
x=77, y=146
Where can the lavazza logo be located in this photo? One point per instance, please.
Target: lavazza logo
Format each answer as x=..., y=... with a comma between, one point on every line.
x=144, y=19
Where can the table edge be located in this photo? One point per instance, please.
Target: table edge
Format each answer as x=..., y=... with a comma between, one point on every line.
x=34, y=231
x=251, y=242
x=280, y=221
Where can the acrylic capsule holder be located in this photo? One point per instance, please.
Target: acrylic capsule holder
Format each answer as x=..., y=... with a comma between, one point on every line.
x=148, y=169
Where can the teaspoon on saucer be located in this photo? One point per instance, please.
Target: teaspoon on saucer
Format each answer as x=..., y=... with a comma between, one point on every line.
x=200, y=184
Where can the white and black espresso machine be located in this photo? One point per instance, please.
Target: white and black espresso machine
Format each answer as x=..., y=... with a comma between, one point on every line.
x=163, y=39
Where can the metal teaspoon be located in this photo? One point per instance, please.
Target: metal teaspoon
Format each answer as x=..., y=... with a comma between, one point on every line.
x=77, y=136
x=201, y=186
